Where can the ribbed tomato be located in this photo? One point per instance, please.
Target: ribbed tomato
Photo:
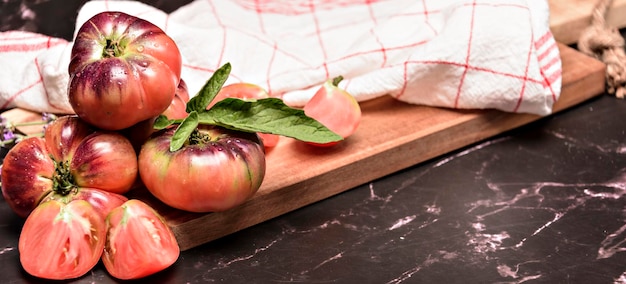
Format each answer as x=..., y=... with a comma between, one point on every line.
x=70, y=157
x=123, y=70
x=215, y=170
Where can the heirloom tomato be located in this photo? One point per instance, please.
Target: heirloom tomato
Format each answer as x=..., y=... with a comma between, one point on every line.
x=334, y=108
x=69, y=158
x=216, y=169
x=138, y=242
x=123, y=70
x=61, y=241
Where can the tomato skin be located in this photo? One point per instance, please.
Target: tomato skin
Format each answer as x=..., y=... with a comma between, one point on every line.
x=61, y=241
x=334, y=108
x=209, y=177
x=68, y=158
x=178, y=106
x=102, y=201
x=138, y=242
x=26, y=175
x=123, y=70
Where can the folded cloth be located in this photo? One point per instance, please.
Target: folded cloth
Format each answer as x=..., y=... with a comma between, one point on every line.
x=465, y=54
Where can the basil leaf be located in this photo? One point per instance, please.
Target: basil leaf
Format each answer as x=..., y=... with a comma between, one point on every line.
x=183, y=131
x=269, y=115
x=162, y=122
x=209, y=90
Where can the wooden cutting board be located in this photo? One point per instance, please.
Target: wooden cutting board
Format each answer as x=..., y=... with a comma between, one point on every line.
x=392, y=136
x=568, y=18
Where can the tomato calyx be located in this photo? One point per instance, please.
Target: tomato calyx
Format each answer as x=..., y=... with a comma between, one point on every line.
x=200, y=138
x=337, y=80
x=267, y=115
x=112, y=48
x=62, y=180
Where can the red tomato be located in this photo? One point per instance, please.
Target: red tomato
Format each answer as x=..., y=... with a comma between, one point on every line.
x=138, y=242
x=178, y=106
x=216, y=170
x=123, y=70
x=334, y=108
x=69, y=158
x=247, y=91
x=61, y=241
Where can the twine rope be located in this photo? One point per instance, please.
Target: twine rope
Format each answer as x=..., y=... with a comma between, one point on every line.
x=607, y=45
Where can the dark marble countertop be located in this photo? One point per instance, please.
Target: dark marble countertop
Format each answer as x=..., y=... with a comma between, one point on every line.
x=543, y=203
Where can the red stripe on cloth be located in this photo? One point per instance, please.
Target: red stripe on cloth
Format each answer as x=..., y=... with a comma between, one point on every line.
x=209, y=71
x=467, y=57
x=264, y=40
x=18, y=93
x=550, y=63
x=28, y=47
x=40, y=73
x=525, y=79
x=223, y=27
x=543, y=39
x=199, y=68
x=268, y=82
x=10, y=35
x=474, y=68
x=405, y=79
x=41, y=77
x=546, y=52
x=259, y=13
x=319, y=35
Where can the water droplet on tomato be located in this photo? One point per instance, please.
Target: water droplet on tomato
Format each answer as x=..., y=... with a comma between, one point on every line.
x=140, y=48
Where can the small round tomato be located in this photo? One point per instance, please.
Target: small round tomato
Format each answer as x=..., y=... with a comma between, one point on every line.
x=61, y=241
x=138, y=242
x=334, y=108
x=215, y=170
x=71, y=156
x=123, y=70
x=247, y=91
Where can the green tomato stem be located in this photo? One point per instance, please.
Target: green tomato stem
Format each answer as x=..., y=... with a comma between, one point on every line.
x=62, y=179
x=112, y=49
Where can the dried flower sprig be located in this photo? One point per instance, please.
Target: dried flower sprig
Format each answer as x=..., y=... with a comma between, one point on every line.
x=11, y=135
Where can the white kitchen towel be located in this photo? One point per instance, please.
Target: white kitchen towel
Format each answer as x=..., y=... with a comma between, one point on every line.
x=466, y=54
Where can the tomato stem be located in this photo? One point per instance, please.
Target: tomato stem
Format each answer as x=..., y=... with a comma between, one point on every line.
x=62, y=179
x=197, y=138
x=336, y=80
x=112, y=48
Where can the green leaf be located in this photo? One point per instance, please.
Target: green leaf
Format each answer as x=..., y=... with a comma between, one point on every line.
x=162, y=122
x=269, y=115
x=184, y=130
x=209, y=90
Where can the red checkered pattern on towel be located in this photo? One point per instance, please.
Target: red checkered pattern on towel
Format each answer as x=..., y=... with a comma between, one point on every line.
x=468, y=54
